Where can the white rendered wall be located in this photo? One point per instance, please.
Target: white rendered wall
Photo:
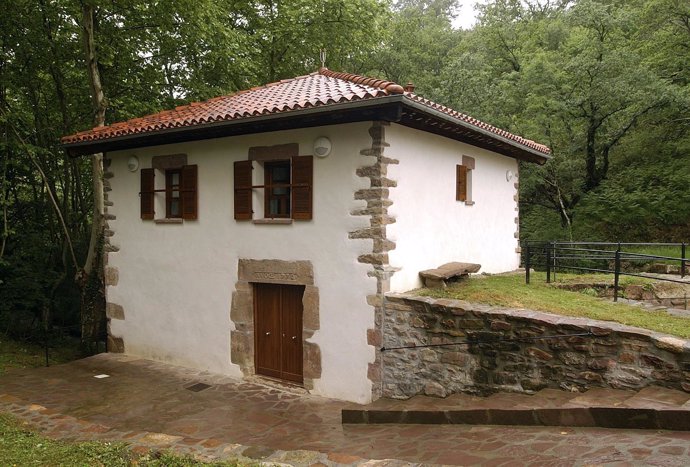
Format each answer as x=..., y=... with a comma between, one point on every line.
x=176, y=281
x=431, y=227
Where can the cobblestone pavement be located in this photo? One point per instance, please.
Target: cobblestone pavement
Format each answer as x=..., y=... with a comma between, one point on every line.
x=147, y=405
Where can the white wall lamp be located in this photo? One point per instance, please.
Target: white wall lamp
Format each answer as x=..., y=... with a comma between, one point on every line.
x=322, y=146
x=133, y=163
x=509, y=175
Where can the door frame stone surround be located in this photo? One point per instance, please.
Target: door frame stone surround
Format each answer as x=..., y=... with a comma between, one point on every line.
x=272, y=271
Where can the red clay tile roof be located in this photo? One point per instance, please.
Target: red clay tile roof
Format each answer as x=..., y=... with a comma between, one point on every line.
x=479, y=124
x=322, y=88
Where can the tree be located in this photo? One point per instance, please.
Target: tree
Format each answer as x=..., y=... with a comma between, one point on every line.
x=572, y=75
x=418, y=43
x=285, y=37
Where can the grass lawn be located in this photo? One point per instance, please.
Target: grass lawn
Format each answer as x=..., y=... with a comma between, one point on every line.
x=511, y=291
x=21, y=446
x=657, y=250
x=15, y=354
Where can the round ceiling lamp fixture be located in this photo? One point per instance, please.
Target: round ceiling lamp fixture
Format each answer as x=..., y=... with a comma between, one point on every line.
x=322, y=146
x=133, y=163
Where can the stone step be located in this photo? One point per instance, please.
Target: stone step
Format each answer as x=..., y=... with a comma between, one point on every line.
x=600, y=397
x=650, y=408
x=656, y=397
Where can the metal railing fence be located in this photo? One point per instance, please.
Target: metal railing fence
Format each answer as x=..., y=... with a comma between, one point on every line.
x=600, y=257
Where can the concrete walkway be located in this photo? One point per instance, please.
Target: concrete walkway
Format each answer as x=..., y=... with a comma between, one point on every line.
x=147, y=405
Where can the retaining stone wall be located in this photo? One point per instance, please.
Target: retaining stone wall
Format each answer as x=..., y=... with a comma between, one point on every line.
x=616, y=356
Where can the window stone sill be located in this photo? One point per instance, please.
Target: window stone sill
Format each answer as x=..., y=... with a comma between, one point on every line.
x=168, y=221
x=272, y=221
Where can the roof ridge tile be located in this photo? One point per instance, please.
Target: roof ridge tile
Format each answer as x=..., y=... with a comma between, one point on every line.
x=388, y=86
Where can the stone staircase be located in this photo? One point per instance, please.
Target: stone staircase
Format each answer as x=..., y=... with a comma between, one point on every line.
x=650, y=408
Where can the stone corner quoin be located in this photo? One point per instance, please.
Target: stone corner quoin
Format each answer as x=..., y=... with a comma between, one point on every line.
x=377, y=204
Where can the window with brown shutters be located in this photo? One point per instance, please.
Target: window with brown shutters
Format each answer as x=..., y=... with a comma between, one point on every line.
x=243, y=190
x=461, y=183
x=146, y=194
x=180, y=192
x=287, y=188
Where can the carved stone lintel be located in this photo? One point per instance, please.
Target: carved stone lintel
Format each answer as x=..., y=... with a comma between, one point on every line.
x=274, y=271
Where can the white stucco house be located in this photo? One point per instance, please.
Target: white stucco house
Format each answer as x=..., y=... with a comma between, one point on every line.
x=256, y=234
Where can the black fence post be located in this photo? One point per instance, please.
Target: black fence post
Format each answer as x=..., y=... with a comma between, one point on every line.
x=682, y=261
x=617, y=273
x=527, y=263
x=548, y=262
x=554, y=258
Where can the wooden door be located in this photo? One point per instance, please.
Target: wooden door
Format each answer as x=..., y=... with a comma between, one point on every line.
x=291, y=327
x=267, y=329
x=278, y=331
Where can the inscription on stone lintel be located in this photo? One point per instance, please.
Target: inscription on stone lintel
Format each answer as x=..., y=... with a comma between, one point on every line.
x=275, y=276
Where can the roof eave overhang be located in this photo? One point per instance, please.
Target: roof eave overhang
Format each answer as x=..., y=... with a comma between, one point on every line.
x=386, y=108
x=418, y=115
x=394, y=108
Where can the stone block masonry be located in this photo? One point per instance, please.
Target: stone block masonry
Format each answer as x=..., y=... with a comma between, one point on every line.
x=376, y=197
x=111, y=275
x=614, y=355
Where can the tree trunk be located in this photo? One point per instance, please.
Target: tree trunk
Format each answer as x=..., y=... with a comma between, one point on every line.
x=591, y=181
x=91, y=276
x=4, y=200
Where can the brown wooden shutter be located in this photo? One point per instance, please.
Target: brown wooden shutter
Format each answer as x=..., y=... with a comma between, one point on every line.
x=189, y=192
x=146, y=193
x=243, y=190
x=461, y=183
x=302, y=174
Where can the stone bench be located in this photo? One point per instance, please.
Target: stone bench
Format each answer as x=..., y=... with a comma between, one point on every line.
x=449, y=272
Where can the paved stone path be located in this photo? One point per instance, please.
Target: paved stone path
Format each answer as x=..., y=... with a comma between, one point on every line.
x=146, y=404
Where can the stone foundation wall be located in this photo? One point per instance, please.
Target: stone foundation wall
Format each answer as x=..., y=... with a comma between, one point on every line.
x=615, y=355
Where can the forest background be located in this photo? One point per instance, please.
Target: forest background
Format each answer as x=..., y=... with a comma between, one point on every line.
x=604, y=83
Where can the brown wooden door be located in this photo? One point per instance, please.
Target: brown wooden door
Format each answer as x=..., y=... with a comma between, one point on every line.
x=267, y=329
x=278, y=336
